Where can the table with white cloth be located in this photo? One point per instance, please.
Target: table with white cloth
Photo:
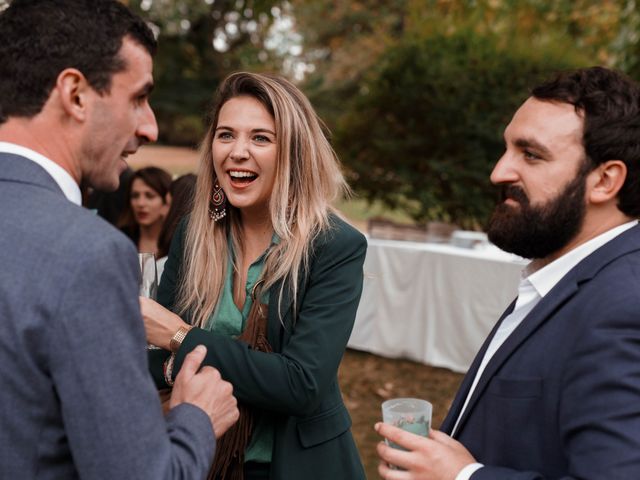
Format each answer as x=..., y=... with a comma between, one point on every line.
x=433, y=303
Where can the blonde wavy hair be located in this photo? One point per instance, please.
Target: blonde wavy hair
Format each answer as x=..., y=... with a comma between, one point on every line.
x=307, y=181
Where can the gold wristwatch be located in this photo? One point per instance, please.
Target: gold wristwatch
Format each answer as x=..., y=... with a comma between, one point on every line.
x=178, y=338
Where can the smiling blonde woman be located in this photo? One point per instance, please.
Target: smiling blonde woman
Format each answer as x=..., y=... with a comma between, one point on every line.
x=268, y=277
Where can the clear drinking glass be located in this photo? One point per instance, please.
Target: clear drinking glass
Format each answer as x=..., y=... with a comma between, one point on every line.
x=149, y=275
x=148, y=280
x=410, y=414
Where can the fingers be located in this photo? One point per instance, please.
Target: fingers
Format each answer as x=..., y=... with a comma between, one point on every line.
x=407, y=440
x=392, y=455
x=387, y=472
x=440, y=437
x=224, y=408
x=205, y=388
x=192, y=363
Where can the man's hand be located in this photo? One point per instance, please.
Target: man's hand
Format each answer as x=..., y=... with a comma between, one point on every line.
x=437, y=457
x=207, y=390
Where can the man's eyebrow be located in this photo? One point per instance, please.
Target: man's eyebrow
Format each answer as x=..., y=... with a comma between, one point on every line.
x=146, y=89
x=532, y=143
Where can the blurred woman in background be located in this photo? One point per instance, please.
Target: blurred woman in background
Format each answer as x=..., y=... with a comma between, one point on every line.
x=148, y=201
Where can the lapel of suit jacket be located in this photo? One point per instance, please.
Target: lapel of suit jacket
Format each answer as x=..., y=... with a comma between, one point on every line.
x=458, y=402
x=623, y=244
x=281, y=321
x=279, y=313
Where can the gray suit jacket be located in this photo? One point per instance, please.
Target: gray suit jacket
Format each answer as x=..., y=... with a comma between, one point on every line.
x=76, y=397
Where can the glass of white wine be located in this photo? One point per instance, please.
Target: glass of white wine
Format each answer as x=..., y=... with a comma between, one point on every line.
x=148, y=280
x=149, y=275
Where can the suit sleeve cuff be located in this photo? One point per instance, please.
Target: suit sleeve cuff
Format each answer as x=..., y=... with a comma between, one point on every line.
x=195, y=337
x=466, y=472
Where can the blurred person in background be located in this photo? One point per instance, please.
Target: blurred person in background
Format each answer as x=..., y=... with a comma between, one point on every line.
x=108, y=205
x=182, y=190
x=268, y=277
x=147, y=205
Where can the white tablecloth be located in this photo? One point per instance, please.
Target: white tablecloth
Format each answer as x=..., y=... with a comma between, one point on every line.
x=432, y=303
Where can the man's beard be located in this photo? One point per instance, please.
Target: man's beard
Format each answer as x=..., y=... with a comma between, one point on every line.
x=538, y=231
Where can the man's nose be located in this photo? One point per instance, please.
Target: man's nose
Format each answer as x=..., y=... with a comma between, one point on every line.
x=148, y=127
x=504, y=171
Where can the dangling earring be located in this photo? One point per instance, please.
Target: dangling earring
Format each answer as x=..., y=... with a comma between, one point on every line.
x=218, y=203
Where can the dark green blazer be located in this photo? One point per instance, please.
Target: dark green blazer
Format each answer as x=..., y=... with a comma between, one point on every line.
x=297, y=384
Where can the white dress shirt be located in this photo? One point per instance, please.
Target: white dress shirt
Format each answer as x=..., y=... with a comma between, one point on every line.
x=531, y=290
x=64, y=180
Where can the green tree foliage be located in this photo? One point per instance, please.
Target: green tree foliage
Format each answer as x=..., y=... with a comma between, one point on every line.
x=342, y=41
x=426, y=128
x=200, y=42
x=417, y=92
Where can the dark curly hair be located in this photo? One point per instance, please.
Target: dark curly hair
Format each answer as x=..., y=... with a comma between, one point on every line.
x=40, y=38
x=610, y=104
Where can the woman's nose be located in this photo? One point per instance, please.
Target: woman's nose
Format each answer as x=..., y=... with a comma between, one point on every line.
x=240, y=150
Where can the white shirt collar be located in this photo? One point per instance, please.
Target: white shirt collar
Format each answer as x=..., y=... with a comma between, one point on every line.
x=64, y=180
x=548, y=276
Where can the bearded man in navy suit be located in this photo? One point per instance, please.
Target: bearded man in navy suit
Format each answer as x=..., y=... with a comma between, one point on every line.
x=77, y=400
x=554, y=392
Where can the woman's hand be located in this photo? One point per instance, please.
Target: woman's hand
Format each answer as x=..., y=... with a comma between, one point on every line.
x=160, y=324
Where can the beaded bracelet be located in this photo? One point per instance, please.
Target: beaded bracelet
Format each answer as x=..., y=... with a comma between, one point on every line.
x=167, y=369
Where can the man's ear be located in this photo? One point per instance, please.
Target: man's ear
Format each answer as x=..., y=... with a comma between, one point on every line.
x=74, y=93
x=606, y=180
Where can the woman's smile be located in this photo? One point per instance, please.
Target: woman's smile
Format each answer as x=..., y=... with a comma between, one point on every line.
x=241, y=178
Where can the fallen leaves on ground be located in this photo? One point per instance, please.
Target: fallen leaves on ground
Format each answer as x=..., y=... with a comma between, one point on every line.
x=367, y=380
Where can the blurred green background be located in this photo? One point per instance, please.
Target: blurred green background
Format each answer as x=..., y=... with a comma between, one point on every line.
x=416, y=93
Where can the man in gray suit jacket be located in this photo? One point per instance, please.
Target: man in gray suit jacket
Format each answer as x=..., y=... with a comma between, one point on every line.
x=77, y=400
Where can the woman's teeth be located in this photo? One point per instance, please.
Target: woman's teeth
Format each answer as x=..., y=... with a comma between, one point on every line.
x=243, y=176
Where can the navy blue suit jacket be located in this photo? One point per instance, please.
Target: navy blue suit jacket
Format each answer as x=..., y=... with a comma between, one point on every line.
x=560, y=399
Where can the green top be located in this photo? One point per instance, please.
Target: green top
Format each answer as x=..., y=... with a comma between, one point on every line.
x=228, y=320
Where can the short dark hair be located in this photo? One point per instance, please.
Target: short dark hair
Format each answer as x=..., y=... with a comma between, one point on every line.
x=610, y=104
x=40, y=38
